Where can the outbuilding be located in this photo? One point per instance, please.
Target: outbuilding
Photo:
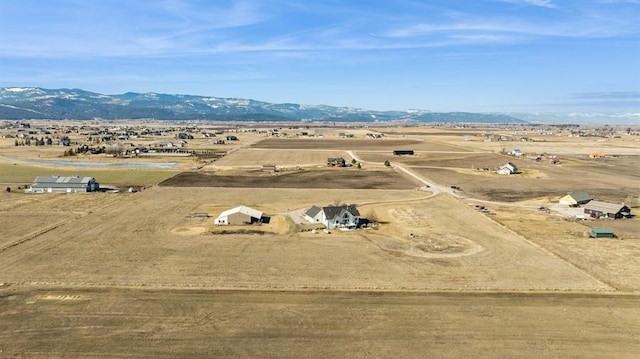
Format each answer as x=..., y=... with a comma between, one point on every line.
x=599, y=209
x=403, y=152
x=238, y=216
x=576, y=198
x=64, y=184
x=601, y=233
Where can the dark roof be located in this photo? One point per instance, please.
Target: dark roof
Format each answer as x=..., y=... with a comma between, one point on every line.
x=604, y=207
x=313, y=211
x=333, y=211
x=580, y=196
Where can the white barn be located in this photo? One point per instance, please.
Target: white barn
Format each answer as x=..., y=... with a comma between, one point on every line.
x=239, y=215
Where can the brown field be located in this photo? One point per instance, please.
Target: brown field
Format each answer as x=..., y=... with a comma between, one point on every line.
x=134, y=275
x=331, y=178
x=119, y=323
x=256, y=157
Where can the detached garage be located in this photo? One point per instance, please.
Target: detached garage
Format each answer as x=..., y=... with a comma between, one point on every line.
x=239, y=215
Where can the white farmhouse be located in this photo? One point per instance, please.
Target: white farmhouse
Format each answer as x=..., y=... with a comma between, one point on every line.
x=344, y=216
x=507, y=169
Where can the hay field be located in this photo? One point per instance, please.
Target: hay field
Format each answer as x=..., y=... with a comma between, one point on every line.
x=90, y=323
x=608, y=260
x=540, y=179
x=133, y=274
x=132, y=243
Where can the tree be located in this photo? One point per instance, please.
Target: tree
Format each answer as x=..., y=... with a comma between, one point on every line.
x=359, y=165
x=372, y=216
x=8, y=189
x=17, y=143
x=387, y=163
x=353, y=161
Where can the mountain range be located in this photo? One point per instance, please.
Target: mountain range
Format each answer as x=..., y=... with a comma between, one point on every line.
x=17, y=103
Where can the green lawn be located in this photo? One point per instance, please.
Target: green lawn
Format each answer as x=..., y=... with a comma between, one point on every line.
x=22, y=174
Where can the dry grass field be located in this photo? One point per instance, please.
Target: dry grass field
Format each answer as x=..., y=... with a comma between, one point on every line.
x=141, y=323
x=135, y=275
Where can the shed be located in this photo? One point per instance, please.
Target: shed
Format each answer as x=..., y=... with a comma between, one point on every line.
x=239, y=215
x=269, y=168
x=403, y=152
x=601, y=233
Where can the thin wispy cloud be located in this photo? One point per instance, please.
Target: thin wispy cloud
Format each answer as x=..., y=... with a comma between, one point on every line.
x=608, y=95
x=549, y=46
x=541, y=3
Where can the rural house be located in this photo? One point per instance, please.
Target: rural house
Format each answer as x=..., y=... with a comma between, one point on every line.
x=239, y=215
x=599, y=209
x=507, y=169
x=64, y=184
x=344, y=216
x=576, y=198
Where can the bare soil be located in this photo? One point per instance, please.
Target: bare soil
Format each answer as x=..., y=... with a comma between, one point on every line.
x=332, y=178
x=334, y=144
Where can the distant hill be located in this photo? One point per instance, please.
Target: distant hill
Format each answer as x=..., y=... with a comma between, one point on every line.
x=38, y=103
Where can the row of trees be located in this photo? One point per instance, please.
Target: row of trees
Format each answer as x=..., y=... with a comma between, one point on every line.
x=35, y=141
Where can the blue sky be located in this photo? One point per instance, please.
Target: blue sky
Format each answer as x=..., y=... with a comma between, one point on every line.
x=476, y=55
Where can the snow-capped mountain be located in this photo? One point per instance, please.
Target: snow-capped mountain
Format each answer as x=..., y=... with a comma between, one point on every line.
x=39, y=103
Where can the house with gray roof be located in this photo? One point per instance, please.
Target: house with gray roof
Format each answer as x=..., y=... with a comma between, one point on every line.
x=343, y=216
x=62, y=184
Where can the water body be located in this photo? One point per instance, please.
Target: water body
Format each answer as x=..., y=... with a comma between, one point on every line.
x=163, y=165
